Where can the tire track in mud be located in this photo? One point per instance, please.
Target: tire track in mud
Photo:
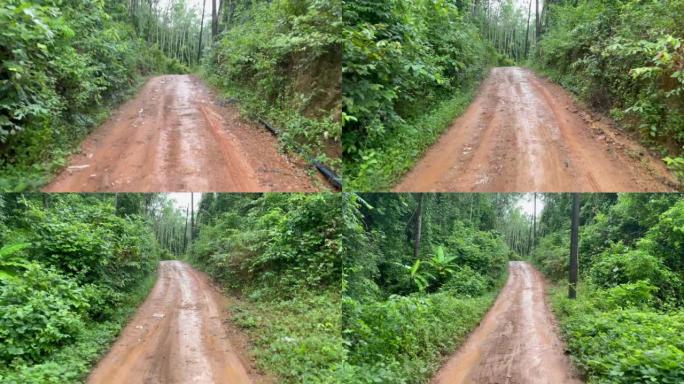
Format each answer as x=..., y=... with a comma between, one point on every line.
x=172, y=137
x=176, y=337
x=516, y=342
x=523, y=133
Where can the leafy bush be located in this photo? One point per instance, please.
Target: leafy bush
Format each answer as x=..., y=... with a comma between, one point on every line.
x=627, y=346
x=90, y=242
x=282, y=254
x=67, y=291
x=72, y=362
x=484, y=252
x=630, y=295
x=466, y=283
x=41, y=311
x=619, y=266
x=282, y=242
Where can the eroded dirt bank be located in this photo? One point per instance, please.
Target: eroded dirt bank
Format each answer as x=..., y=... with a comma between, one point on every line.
x=516, y=342
x=173, y=137
x=176, y=337
x=523, y=133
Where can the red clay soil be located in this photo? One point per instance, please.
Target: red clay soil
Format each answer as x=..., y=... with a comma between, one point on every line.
x=177, y=337
x=523, y=133
x=172, y=137
x=516, y=342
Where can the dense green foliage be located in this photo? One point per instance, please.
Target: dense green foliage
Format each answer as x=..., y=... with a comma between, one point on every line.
x=623, y=327
x=401, y=313
x=281, y=253
x=71, y=270
x=280, y=59
x=62, y=63
x=626, y=57
x=403, y=61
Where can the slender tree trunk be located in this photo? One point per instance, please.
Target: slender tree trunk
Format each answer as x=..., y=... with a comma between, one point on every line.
x=192, y=215
x=534, y=221
x=199, y=49
x=214, y=21
x=185, y=233
x=537, y=29
x=574, y=247
x=419, y=227
x=527, y=34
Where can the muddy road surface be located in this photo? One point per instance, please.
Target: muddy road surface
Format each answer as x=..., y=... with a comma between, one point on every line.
x=516, y=342
x=176, y=337
x=523, y=133
x=173, y=136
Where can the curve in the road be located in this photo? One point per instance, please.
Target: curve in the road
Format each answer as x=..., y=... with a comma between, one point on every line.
x=523, y=133
x=516, y=342
x=176, y=337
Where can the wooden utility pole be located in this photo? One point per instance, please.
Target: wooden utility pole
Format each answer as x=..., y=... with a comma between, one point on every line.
x=419, y=226
x=199, y=50
x=574, y=247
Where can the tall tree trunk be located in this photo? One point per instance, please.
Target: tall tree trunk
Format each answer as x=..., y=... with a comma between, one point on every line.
x=214, y=21
x=537, y=28
x=185, y=233
x=419, y=227
x=199, y=49
x=527, y=34
x=192, y=215
x=534, y=220
x=574, y=247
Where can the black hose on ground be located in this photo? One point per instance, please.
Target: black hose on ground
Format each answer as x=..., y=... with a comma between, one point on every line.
x=328, y=173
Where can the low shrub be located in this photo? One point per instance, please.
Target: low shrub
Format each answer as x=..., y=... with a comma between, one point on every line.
x=401, y=339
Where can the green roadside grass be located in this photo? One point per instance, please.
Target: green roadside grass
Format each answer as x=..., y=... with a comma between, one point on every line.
x=407, y=339
x=296, y=340
x=382, y=168
x=73, y=362
x=293, y=339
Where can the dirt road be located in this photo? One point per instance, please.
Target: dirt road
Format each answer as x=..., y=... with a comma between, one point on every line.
x=177, y=336
x=174, y=137
x=523, y=133
x=516, y=342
